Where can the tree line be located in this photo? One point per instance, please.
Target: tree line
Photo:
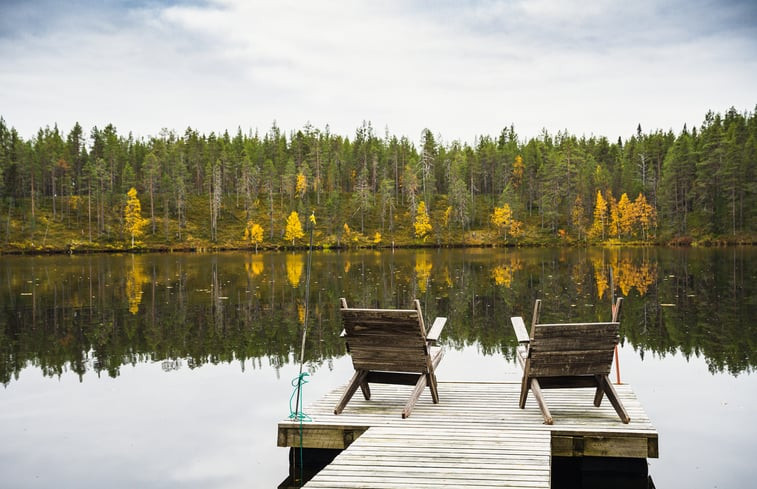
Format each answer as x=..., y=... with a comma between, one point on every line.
x=659, y=186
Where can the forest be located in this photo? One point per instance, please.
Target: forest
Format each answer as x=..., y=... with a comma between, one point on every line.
x=109, y=191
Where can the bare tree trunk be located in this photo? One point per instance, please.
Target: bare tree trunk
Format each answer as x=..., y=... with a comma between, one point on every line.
x=152, y=206
x=52, y=180
x=89, y=211
x=270, y=210
x=32, y=194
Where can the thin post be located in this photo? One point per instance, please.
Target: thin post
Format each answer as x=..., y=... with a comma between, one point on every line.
x=311, y=223
x=615, y=310
x=299, y=415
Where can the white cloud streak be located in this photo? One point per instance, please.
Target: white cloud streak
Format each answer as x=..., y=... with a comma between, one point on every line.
x=460, y=69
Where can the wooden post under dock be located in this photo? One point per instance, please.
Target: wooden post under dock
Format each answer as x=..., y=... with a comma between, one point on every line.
x=477, y=436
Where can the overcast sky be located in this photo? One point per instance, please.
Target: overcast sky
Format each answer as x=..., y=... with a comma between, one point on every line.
x=458, y=68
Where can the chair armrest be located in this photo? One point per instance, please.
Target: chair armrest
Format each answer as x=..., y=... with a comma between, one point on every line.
x=436, y=330
x=520, y=330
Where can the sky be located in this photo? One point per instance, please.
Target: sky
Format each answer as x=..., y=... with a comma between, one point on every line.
x=461, y=69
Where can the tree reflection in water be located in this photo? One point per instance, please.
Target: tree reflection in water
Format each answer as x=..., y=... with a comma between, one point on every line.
x=100, y=312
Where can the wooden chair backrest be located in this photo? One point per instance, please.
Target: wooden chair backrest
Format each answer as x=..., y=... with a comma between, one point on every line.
x=392, y=340
x=572, y=349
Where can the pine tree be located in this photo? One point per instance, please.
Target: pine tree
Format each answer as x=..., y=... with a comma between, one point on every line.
x=577, y=217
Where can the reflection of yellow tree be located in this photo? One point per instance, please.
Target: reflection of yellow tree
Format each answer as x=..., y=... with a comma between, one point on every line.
x=627, y=275
x=447, y=278
x=577, y=275
x=255, y=266
x=600, y=274
x=294, y=266
x=503, y=274
x=135, y=278
x=422, y=271
x=631, y=276
x=301, y=313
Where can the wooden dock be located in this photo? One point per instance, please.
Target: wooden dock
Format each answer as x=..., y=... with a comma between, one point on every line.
x=476, y=437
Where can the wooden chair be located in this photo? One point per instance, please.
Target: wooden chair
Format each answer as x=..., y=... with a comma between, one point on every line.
x=568, y=355
x=390, y=346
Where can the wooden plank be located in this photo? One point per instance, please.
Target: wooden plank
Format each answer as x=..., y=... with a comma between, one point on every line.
x=450, y=459
x=545, y=330
x=653, y=451
x=476, y=437
x=575, y=343
x=602, y=446
x=436, y=330
x=610, y=446
x=567, y=363
x=314, y=437
x=520, y=329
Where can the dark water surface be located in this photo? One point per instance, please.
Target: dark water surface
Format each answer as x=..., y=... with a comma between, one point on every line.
x=172, y=370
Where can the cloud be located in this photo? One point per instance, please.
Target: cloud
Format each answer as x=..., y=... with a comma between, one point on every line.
x=460, y=69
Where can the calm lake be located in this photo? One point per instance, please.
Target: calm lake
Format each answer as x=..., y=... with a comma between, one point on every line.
x=172, y=370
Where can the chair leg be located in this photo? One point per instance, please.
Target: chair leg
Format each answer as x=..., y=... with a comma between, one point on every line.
x=612, y=396
x=536, y=389
x=600, y=391
x=357, y=380
x=524, y=385
x=431, y=380
x=434, y=388
x=366, y=390
x=417, y=391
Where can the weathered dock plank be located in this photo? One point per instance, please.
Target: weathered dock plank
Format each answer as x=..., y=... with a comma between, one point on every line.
x=476, y=437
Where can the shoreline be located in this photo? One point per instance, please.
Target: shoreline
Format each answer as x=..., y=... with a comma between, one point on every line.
x=288, y=248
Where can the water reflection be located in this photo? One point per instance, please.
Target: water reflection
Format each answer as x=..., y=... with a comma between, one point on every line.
x=99, y=313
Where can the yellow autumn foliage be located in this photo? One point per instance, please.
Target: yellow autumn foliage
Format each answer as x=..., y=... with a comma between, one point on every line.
x=294, y=265
x=422, y=271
